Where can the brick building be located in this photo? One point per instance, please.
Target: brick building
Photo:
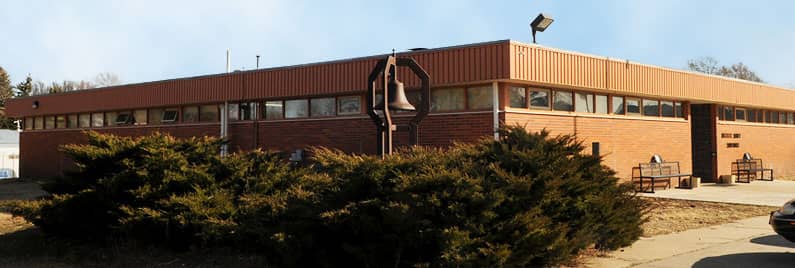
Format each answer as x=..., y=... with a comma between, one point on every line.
x=632, y=110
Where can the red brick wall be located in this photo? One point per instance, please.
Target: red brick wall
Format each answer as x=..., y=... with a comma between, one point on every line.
x=39, y=157
x=623, y=142
x=772, y=143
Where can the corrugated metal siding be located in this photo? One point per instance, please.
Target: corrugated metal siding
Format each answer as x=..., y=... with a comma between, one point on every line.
x=555, y=67
x=454, y=65
x=458, y=65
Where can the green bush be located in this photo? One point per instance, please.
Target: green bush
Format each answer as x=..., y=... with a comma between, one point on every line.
x=526, y=200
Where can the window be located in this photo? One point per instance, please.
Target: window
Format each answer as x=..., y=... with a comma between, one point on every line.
x=679, y=109
x=480, y=98
x=320, y=107
x=618, y=105
x=190, y=114
x=667, y=109
x=233, y=112
x=651, y=107
x=633, y=106
x=38, y=123
x=71, y=121
x=28, y=123
x=448, y=99
x=539, y=98
x=60, y=121
x=110, y=118
x=248, y=111
x=208, y=113
x=583, y=103
x=97, y=120
x=139, y=117
x=728, y=113
x=782, y=118
x=563, y=101
x=790, y=118
x=518, y=97
x=739, y=114
x=124, y=118
x=49, y=122
x=349, y=105
x=84, y=121
x=601, y=104
x=296, y=108
x=274, y=110
x=169, y=115
x=751, y=114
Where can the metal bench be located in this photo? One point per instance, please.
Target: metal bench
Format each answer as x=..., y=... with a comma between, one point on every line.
x=748, y=169
x=657, y=171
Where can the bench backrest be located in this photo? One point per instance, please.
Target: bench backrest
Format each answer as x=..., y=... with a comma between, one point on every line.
x=749, y=163
x=659, y=169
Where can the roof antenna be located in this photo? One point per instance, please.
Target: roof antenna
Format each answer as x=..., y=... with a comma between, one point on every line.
x=257, y=61
x=393, y=53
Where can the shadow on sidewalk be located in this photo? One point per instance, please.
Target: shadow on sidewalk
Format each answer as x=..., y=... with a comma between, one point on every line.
x=773, y=240
x=761, y=259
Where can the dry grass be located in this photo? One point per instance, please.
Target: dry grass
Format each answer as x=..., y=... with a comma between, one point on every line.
x=671, y=215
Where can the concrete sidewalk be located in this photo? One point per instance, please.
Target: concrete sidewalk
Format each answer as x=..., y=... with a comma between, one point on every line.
x=766, y=193
x=745, y=243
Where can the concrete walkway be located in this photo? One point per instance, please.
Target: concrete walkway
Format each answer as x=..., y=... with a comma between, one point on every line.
x=746, y=243
x=767, y=193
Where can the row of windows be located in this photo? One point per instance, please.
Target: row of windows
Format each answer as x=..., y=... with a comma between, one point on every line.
x=730, y=113
x=583, y=102
x=447, y=99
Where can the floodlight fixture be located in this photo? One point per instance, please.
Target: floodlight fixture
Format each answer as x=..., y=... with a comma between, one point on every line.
x=540, y=24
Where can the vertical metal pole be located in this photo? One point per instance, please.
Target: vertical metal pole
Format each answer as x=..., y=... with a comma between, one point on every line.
x=224, y=127
x=495, y=95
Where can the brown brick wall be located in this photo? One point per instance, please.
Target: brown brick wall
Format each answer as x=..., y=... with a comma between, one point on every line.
x=773, y=144
x=623, y=142
x=40, y=157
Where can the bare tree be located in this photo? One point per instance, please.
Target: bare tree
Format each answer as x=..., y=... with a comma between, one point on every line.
x=107, y=79
x=709, y=65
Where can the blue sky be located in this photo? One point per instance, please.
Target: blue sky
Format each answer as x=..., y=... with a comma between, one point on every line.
x=151, y=40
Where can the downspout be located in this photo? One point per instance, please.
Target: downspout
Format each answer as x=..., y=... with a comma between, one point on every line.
x=225, y=109
x=495, y=97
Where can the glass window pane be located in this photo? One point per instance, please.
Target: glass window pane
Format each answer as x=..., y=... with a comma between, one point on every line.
x=518, y=97
x=71, y=121
x=667, y=108
x=739, y=114
x=633, y=105
x=448, y=99
x=563, y=101
x=85, y=121
x=60, y=121
x=583, y=103
x=38, y=123
x=155, y=116
x=110, y=118
x=296, y=108
x=274, y=110
x=539, y=98
x=190, y=114
x=209, y=113
x=618, y=105
x=97, y=120
x=321, y=107
x=728, y=113
x=751, y=115
x=248, y=111
x=234, y=112
x=782, y=118
x=790, y=118
x=768, y=117
x=480, y=98
x=139, y=117
x=651, y=107
x=49, y=122
x=349, y=105
x=601, y=104
x=678, y=110
x=28, y=123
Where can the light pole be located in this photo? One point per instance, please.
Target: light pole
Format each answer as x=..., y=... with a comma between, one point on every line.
x=394, y=98
x=540, y=24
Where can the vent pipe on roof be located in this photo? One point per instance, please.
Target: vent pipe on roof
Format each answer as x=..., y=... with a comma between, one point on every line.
x=228, y=60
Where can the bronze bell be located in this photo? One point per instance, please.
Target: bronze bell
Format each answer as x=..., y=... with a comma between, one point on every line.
x=396, y=96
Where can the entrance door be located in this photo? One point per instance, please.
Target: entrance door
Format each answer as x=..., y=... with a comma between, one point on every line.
x=703, y=140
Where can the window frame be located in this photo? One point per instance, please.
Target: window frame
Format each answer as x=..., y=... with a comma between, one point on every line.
x=265, y=109
x=626, y=106
x=550, y=102
x=316, y=99
x=588, y=97
x=340, y=100
x=306, y=113
x=737, y=112
x=458, y=108
x=488, y=89
x=526, y=101
x=613, y=105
